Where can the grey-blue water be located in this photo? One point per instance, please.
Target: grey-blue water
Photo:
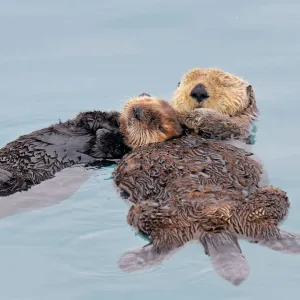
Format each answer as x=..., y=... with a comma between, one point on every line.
x=60, y=57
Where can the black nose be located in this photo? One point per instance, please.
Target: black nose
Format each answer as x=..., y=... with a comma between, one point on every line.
x=137, y=113
x=199, y=92
x=144, y=94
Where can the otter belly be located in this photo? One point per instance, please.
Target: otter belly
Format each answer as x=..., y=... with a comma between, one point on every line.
x=160, y=171
x=264, y=179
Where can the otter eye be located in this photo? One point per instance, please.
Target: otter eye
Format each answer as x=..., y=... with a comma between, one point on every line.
x=178, y=84
x=152, y=119
x=160, y=128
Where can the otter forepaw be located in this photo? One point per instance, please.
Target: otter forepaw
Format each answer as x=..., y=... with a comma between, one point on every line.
x=211, y=124
x=109, y=144
x=195, y=119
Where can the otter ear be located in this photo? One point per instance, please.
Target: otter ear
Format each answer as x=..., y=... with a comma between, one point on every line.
x=250, y=93
x=252, y=107
x=226, y=256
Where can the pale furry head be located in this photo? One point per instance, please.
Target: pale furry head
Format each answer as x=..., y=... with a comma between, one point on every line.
x=214, y=89
x=147, y=120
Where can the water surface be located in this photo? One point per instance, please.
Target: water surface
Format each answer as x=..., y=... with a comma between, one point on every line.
x=61, y=57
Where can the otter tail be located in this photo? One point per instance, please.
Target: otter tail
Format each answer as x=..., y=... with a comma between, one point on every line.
x=226, y=256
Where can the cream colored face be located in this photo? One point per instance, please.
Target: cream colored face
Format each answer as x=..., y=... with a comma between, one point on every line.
x=211, y=88
x=147, y=120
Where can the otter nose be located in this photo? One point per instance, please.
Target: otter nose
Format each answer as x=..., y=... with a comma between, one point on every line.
x=137, y=113
x=199, y=92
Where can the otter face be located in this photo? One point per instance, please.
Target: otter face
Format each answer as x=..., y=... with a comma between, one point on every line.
x=147, y=120
x=214, y=89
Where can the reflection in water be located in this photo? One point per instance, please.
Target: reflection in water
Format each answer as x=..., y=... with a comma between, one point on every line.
x=52, y=191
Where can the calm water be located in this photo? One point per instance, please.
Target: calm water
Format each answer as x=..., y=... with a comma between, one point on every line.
x=60, y=57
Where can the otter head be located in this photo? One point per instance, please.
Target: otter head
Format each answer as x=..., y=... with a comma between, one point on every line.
x=147, y=120
x=214, y=89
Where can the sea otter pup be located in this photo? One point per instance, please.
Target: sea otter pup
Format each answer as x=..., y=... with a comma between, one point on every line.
x=88, y=138
x=216, y=104
x=190, y=188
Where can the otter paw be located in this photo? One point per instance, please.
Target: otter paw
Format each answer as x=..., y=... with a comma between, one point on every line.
x=109, y=144
x=196, y=118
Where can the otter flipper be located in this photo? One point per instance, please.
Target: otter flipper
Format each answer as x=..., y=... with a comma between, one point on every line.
x=286, y=242
x=226, y=256
x=143, y=258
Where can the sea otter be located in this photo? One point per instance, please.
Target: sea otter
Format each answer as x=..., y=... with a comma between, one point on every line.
x=186, y=188
x=216, y=104
x=38, y=156
x=90, y=138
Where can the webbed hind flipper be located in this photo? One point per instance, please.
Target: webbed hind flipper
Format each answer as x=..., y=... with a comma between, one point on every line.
x=285, y=242
x=150, y=220
x=143, y=258
x=226, y=256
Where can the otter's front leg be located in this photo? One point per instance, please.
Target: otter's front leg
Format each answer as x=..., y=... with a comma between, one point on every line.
x=109, y=144
x=211, y=124
x=94, y=120
x=109, y=141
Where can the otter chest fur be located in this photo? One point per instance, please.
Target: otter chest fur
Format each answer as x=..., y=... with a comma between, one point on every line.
x=157, y=172
x=190, y=188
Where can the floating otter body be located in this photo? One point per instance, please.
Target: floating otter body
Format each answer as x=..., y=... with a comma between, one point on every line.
x=33, y=158
x=191, y=188
x=216, y=104
x=38, y=156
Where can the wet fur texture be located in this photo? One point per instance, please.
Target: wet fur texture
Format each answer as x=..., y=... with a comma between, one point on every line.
x=147, y=127
x=38, y=156
x=191, y=188
x=229, y=110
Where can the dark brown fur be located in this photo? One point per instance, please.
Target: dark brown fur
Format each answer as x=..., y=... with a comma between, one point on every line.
x=191, y=188
x=38, y=156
